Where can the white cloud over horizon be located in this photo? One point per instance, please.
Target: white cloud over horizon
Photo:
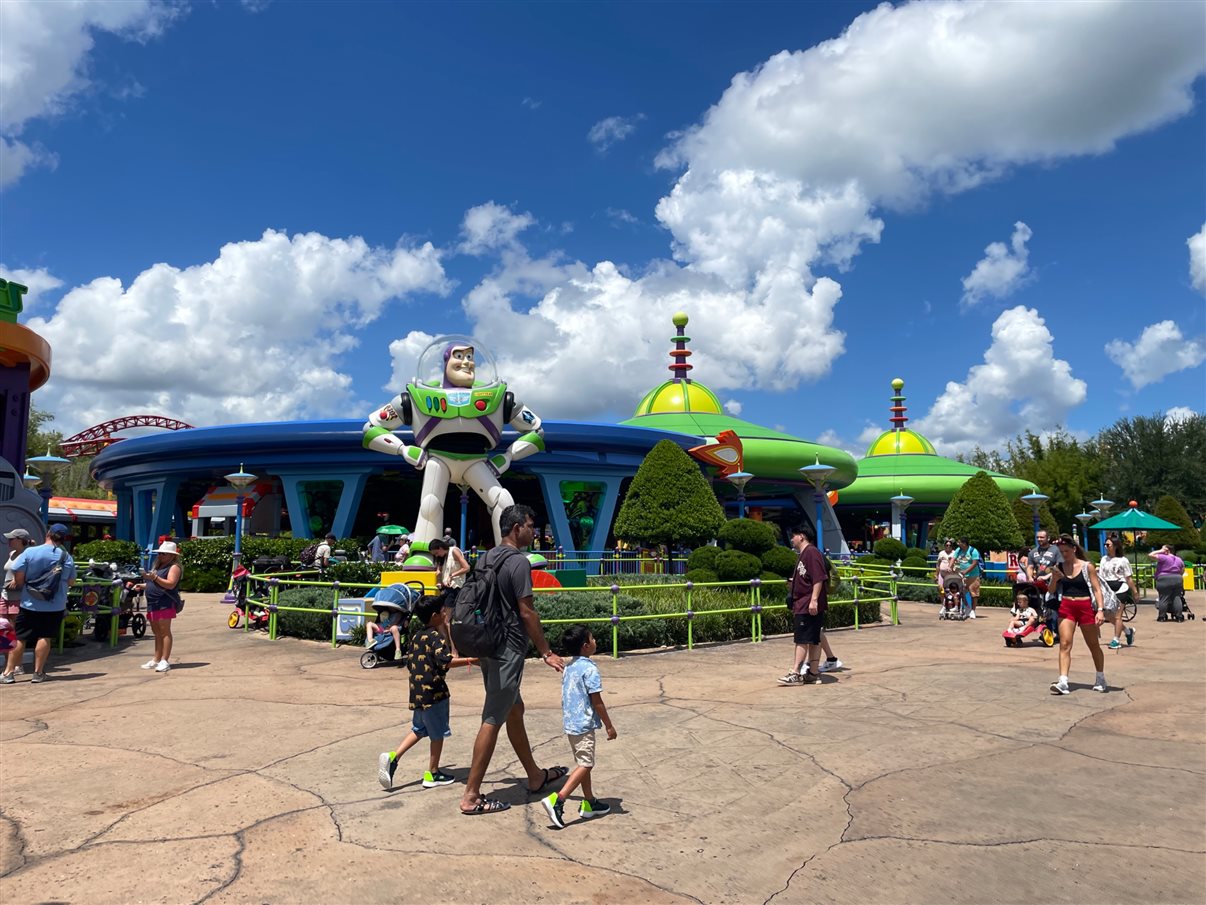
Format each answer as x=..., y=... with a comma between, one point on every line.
x=1002, y=271
x=1021, y=385
x=1197, y=259
x=44, y=50
x=253, y=335
x=1160, y=350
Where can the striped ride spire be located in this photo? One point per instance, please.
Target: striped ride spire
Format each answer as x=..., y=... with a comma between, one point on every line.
x=898, y=408
x=680, y=353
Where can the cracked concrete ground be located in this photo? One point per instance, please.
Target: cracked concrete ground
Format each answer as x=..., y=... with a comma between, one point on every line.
x=935, y=768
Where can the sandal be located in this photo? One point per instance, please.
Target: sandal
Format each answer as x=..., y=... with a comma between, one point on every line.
x=551, y=774
x=486, y=806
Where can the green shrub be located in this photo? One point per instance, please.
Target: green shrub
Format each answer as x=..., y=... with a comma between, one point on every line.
x=358, y=572
x=1189, y=556
x=205, y=581
x=307, y=626
x=1094, y=556
x=915, y=562
x=980, y=511
x=606, y=581
x=772, y=577
x=917, y=551
x=122, y=552
x=669, y=501
x=703, y=558
x=889, y=548
x=780, y=560
x=873, y=561
x=701, y=576
x=748, y=535
x=737, y=565
x=356, y=635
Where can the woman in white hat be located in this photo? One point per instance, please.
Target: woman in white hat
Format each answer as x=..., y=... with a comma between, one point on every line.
x=163, y=600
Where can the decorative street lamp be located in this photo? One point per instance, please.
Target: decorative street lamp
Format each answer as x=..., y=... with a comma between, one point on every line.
x=900, y=503
x=48, y=466
x=1036, y=500
x=464, y=510
x=817, y=475
x=239, y=480
x=1085, y=518
x=1103, y=506
x=739, y=479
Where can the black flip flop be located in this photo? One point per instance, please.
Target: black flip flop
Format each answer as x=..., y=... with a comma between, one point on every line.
x=486, y=806
x=551, y=774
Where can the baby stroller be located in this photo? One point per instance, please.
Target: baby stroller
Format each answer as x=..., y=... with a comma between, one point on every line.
x=953, y=599
x=394, y=606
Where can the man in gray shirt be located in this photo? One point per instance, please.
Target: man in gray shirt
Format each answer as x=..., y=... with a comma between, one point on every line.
x=503, y=672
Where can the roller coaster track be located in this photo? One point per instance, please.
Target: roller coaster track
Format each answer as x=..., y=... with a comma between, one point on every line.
x=91, y=441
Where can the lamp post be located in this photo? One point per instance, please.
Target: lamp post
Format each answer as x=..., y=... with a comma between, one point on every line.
x=1036, y=500
x=900, y=503
x=239, y=480
x=817, y=474
x=48, y=466
x=1084, y=518
x=464, y=510
x=739, y=479
x=1103, y=506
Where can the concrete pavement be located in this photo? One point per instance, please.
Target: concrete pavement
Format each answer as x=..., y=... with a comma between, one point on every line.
x=935, y=768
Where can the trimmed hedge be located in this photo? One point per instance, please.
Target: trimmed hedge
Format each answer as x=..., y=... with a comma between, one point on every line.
x=748, y=535
x=780, y=560
x=122, y=552
x=737, y=565
x=889, y=548
x=703, y=558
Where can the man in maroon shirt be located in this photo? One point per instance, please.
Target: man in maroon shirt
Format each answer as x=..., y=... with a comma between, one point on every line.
x=809, y=599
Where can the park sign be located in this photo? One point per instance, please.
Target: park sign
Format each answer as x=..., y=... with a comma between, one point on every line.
x=10, y=300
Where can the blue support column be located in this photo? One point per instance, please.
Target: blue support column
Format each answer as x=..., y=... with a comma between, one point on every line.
x=550, y=485
x=349, y=500
x=299, y=516
x=154, y=505
x=607, y=509
x=124, y=529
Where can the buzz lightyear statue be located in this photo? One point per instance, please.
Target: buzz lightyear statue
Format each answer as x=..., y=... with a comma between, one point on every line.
x=457, y=407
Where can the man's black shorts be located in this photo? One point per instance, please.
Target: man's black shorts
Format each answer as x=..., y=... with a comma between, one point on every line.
x=808, y=628
x=34, y=625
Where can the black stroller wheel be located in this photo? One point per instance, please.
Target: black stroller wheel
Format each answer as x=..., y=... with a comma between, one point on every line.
x=138, y=625
x=1129, y=609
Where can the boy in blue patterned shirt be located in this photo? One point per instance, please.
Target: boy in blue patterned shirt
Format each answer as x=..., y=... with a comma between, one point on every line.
x=582, y=712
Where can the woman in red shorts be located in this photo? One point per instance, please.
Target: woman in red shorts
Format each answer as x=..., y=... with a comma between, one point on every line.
x=163, y=600
x=1079, y=593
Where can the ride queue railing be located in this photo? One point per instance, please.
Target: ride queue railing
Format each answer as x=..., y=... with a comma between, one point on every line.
x=275, y=581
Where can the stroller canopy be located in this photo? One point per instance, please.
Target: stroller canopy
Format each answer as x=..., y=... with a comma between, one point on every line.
x=397, y=598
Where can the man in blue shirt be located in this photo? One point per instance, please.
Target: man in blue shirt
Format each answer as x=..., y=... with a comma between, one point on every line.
x=40, y=615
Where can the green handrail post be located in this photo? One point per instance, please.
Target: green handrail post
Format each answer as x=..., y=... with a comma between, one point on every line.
x=615, y=622
x=858, y=583
x=690, y=620
x=114, y=622
x=273, y=600
x=753, y=615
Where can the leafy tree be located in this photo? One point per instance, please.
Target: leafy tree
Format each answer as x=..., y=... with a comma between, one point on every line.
x=1170, y=509
x=1148, y=457
x=981, y=512
x=1024, y=515
x=1068, y=471
x=669, y=501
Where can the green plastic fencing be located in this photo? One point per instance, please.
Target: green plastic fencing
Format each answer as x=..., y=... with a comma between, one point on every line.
x=755, y=607
x=113, y=611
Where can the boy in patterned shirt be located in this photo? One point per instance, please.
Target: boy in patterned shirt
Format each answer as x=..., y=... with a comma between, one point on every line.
x=428, y=660
x=582, y=712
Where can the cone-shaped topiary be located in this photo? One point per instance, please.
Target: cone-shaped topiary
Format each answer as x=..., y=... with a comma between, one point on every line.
x=669, y=501
x=1171, y=510
x=980, y=511
x=748, y=535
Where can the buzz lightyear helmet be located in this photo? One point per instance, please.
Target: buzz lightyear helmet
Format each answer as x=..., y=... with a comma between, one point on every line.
x=434, y=359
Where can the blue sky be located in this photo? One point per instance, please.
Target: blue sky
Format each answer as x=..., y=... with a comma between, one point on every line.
x=263, y=211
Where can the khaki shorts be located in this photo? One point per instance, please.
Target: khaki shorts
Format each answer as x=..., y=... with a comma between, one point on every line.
x=583, y=747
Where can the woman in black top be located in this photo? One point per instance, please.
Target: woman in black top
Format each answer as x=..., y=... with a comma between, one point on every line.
x=163, y=602
x=1079, y=592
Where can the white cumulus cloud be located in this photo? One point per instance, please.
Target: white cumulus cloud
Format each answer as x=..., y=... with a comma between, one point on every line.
x=1021, y=385
x=1002, y=270
x=39, y=282
x=256, y=334
x=610, y=131
x=733, y=407
x=44, y=50
x=1179, y=413
x=1160, y=350
x=492, y=227
x=1197, y=259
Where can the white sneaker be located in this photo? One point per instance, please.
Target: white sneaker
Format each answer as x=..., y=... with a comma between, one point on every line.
x=1058, y=687
x=971, y=615
x=163, y=666
x=150, y=664
x=1102, y=686
x=19, y=671
x=831, y=665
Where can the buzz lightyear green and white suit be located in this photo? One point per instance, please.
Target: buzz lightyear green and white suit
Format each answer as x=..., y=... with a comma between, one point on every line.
x=457, y=422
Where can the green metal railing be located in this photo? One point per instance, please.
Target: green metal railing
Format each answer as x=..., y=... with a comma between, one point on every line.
x=755, y=607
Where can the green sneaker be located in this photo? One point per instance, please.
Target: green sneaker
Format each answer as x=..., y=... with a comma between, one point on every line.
x=438, y=778
x=591, y=808
x=386, y=765
x=555, y=809
x=1114, y=644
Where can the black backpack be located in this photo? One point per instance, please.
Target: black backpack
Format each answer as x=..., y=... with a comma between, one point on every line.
x=46, y=585
x=308, y=555
x=479, y=622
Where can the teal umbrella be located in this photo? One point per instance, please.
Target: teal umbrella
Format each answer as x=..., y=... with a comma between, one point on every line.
x=1134, y=520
